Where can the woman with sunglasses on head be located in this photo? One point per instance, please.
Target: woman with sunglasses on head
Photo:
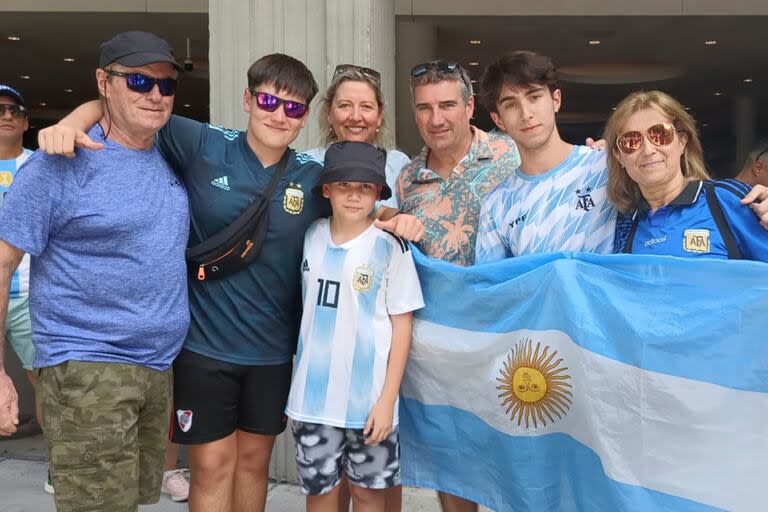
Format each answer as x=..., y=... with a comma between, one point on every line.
x=658, y=179
x=353, y=110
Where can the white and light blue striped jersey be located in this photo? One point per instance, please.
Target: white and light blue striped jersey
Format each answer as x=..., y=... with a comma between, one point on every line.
x=563, y=209
x=348, y=291
x=8, y=168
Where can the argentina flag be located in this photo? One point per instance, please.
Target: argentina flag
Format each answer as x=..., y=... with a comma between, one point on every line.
x=578, y=382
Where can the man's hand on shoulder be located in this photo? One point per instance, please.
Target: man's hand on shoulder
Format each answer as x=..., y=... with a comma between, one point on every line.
x=61, y=139
x=403, y=225
x=757, y=199
x=9, y=405
x=598, y=145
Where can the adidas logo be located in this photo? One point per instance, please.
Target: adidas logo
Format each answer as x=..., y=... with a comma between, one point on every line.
x=305, y=266
x=222, y=183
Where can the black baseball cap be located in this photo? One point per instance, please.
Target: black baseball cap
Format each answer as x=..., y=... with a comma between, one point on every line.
x=353, y=161
x=135, y=49
x=7, y=90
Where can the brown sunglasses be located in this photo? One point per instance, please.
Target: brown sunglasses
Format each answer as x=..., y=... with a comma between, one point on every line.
x=659, y=135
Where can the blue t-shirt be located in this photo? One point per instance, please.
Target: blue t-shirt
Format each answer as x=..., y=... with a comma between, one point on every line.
x=251, y=317
x=686, y=227
x=106, y=231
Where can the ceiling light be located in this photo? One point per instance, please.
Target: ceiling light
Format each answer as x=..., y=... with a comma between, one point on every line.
x=25, y=77
x=43, y=104
x=473, y=81
x=687, y=108
x=711, y=42
x=474, y=63
x=187, y=105
x=705, y=125
x=594, y=42
x=718, y=94
x=14, y=38
x=747, y=80
x=475, y=41
x=67, y=90
x=69, y=59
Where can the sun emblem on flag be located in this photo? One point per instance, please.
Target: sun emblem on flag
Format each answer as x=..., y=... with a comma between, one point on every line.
x=533, y=385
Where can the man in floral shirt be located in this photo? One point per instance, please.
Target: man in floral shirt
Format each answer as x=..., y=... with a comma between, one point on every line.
x=444, y=186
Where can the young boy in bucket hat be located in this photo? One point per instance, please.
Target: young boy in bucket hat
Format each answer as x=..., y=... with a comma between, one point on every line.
x=359, y=291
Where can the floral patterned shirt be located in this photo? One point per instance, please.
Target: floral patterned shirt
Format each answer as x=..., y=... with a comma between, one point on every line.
x=450, y=207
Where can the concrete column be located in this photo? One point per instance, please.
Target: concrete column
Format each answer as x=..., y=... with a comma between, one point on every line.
x=744, y=127
x=416, y=43
x=321, y=33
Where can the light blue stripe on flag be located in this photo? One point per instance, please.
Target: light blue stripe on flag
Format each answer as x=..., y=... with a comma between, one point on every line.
x=584, y=382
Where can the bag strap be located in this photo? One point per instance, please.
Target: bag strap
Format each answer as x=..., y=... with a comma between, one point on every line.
x=631, y=235
x=219, y=238
x=734, y=253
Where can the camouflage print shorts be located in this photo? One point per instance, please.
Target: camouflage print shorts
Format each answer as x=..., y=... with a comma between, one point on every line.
x=106, y=425
x=324, y=454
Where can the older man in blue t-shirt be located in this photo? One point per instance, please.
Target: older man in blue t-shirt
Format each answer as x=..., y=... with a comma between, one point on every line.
x=107, y=232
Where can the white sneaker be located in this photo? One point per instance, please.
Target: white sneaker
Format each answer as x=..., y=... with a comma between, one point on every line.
x=48, y=485
x=176, y=485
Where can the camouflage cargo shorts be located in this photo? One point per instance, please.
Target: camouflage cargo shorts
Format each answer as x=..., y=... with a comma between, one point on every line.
x=106, y=425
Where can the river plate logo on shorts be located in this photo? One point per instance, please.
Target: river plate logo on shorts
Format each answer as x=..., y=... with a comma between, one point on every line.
x=533, y=385
x=363, y=278
x=293, y=200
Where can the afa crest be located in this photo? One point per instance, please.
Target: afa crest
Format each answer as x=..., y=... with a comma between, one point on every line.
x=6, y=178
x=293, y=200
x=696, y=240
x=534, y=385
x=363, y=278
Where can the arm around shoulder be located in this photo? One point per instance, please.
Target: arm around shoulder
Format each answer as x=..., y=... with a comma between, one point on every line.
x=70, y=133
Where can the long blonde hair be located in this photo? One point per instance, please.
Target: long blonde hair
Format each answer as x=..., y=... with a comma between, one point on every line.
x=383, y=138
x=623, y=192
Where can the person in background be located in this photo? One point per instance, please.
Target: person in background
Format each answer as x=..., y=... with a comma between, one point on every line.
x=14, y=121
x=755, y=169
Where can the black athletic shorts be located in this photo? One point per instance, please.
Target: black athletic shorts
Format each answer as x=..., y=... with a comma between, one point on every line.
x=212, y=398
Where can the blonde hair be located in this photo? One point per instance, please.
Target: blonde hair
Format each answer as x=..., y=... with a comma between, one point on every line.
x=383, y=138
x=623, y=192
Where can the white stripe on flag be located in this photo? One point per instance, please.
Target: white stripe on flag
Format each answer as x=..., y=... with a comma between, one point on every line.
x=687, y=438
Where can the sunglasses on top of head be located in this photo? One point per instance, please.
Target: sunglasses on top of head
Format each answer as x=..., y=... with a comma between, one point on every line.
x=144, y=84
x=270, y=103
x=371, y=74
x=660, y=135
x=15, y=110
x=443, y=67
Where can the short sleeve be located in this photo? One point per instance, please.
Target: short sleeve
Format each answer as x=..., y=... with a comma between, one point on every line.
x=750, y=235
x=490, y=245
x=396, y=161
x=180, y=141
x=37, y=204
x=403, y=288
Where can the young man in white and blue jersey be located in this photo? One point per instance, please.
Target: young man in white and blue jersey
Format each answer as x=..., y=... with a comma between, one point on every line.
x=556, y=200
x=359, y=288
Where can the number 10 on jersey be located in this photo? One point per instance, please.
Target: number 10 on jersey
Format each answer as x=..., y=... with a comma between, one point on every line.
x=328, y=293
